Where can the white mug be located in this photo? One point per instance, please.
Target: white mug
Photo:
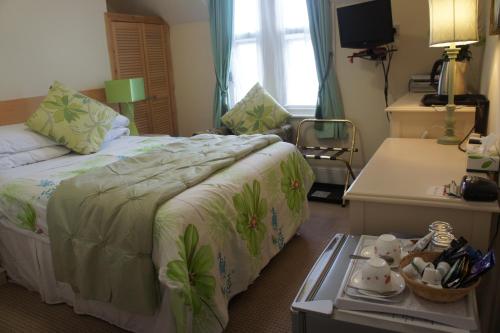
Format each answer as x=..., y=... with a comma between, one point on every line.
x=376, y=275
x=388, y=245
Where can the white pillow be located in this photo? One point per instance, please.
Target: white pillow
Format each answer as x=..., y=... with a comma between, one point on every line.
x=120, y=121
x=19, y=138
x=32, y=156
x=115, y=133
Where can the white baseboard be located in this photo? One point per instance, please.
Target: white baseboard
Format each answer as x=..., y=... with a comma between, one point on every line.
x=3, y=276
x=331, y=175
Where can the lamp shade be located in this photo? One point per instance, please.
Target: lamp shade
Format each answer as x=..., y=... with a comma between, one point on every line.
x=453, y=21
x=125, y=91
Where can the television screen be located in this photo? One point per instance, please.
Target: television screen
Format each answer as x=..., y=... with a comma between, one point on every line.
x=366, y=25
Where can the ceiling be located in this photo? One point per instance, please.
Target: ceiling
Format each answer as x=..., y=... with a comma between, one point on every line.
x=172, y=11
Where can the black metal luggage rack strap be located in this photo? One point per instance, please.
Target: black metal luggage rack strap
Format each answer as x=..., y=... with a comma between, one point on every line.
x=331, y=153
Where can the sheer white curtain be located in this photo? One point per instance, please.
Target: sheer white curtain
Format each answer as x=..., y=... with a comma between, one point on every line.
x=272, y=45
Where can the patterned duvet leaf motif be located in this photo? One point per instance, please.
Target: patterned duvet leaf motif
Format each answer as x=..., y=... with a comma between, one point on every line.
x=291, y=183
x=28, y=217
x=251, y=212
x=192, y=271
x=26, y=213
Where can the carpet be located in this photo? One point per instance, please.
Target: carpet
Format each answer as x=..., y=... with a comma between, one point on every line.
x=264, y=307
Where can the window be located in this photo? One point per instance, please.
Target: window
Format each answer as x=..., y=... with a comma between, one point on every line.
x=272, y=45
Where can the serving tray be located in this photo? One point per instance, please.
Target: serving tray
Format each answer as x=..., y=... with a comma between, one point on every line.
x=461, y=314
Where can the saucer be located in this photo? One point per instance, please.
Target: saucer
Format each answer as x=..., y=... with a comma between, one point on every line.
x=397, y=285
x=369, y=251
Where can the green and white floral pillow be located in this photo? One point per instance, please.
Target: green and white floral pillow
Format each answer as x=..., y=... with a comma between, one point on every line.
x=257, y=112
x=72, y=119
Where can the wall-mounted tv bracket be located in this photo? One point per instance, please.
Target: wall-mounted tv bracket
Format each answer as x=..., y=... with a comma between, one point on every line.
x=382, y=55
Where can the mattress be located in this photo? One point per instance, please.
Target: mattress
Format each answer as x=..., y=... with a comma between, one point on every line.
x=210, y=206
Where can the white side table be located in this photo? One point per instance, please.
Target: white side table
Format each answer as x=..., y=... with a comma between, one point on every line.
x=395, y=192
x=411, y=119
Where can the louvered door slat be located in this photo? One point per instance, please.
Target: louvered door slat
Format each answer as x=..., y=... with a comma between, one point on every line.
x=156, y=60
x=162, y=122
x=129, y=63
x=129, y=57
x=140, y=47
x=142, y=117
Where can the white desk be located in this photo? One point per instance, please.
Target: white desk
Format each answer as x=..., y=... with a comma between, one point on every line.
x=393, y=193
x=411, y=119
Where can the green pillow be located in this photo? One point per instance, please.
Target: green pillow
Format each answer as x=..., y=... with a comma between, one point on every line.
x=72, y=119
x=257, y=112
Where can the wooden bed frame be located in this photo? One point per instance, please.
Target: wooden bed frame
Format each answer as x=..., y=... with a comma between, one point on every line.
x=18, y=110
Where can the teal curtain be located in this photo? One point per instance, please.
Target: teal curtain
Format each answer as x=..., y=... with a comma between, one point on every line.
x=221, y=30
x=329, y=105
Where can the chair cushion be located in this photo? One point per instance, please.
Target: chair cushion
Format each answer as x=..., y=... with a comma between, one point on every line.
x=257, y=112
x=72, y=119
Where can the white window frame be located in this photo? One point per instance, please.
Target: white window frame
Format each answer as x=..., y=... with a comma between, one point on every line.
x=267, y=12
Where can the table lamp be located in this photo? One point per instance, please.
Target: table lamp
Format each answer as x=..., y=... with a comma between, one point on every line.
x=126, y=92
x=452, y=23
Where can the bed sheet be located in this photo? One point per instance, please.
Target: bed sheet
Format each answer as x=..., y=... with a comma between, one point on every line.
x=210, y=242
x=25, y=191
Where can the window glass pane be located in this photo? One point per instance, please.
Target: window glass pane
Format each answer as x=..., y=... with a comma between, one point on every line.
x=246, y=17
x=300, y=68
x=244, y=69
x=294, y=13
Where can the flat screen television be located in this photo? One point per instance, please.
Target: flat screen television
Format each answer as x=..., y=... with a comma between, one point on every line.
x=366, y=25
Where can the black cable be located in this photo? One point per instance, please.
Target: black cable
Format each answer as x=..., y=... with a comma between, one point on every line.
x=389, y=51
x=465, y=138
x=492, y=241
x=386, y=85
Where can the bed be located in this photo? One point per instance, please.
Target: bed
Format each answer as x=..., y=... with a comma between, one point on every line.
x=209, y=212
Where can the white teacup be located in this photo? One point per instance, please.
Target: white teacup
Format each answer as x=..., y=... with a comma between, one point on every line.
x=388, y=246
x=376, y=275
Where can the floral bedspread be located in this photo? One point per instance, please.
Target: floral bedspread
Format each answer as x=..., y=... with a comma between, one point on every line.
x=212, y=240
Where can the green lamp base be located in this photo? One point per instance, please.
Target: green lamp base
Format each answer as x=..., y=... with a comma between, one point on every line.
x=449, y=140
x=127, y=110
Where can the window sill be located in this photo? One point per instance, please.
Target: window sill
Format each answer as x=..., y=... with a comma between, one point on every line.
x=301, y=111
x=301, y=116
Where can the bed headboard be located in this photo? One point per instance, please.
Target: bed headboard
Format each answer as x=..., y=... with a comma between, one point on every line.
x=18, y=110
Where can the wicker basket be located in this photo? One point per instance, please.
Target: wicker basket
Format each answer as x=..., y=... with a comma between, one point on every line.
x=430, y=293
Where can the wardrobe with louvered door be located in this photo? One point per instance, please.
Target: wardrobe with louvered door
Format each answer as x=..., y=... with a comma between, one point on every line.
x=139, y=46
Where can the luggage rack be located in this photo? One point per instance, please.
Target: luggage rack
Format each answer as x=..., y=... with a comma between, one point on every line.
x=330, y=153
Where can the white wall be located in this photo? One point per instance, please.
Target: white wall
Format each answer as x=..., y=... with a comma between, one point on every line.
x=490, y=80
x=193, y=75
x=43, y=41
x=489, y=292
